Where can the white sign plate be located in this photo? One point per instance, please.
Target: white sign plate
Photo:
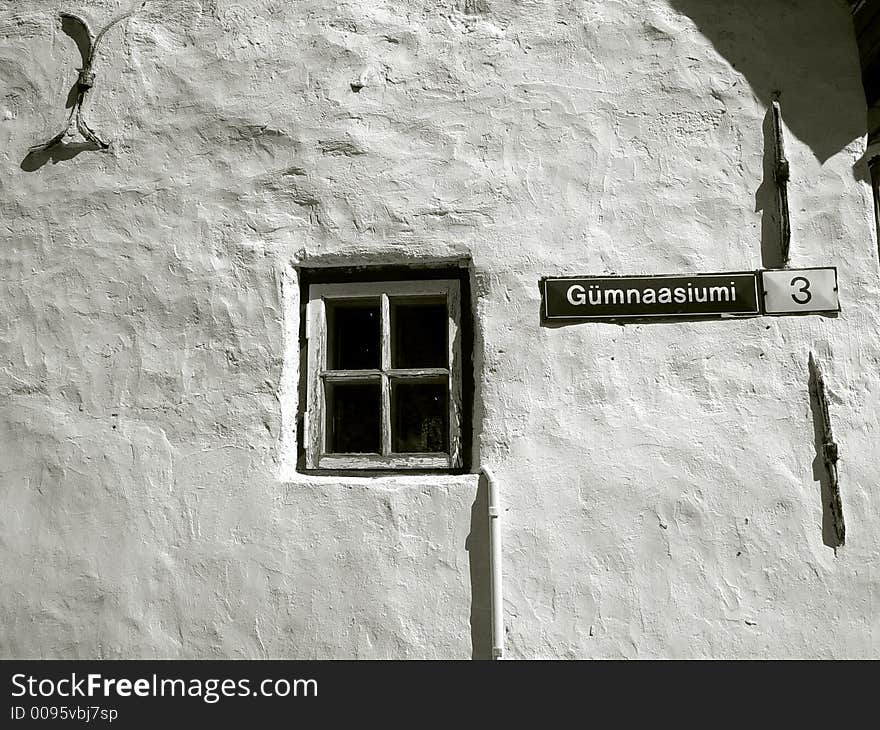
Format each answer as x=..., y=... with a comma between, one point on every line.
x=788, y=291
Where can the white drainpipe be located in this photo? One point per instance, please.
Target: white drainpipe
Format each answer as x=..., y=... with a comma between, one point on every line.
x=497, y=594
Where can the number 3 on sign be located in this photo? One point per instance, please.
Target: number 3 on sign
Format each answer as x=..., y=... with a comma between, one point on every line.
x=789, y=291
x=805, y=290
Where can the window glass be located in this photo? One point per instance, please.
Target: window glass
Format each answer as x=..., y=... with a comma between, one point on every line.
x=353, y=418
x=353, y=341
x=420, y=417
x=419, y=333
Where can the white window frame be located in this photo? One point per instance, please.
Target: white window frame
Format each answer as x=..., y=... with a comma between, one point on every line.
x=315, y=417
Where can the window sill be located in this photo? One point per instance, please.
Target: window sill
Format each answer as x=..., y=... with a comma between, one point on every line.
x=379, y=480
x=392, y=462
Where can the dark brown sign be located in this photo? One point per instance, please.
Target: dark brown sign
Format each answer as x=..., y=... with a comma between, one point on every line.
x=619, y=297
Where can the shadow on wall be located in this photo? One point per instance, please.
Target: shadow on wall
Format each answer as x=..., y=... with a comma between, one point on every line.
x=59, y=152
x=789, y=49
x=477, y=546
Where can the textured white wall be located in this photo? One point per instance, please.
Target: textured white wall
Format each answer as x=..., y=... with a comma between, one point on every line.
x=658, y=480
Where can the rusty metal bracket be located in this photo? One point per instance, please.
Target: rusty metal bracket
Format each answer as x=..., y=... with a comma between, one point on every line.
x=87, y=43
x=781, y=174
x=829, y=451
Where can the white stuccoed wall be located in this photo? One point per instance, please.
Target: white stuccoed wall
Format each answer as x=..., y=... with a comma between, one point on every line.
x=658, y=480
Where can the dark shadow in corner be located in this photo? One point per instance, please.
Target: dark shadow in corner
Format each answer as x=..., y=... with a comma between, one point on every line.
x=767, y=202
x=820, y=470
x=58, y=152
x=477, y=545
x=867, y=168
x=873, y=166
x=785, y=48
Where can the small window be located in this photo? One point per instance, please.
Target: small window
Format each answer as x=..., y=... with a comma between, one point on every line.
x=384, y=382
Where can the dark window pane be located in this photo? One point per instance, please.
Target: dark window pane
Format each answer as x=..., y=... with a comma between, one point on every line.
x=353, y=335
x=353, y=424
x=419, y=333
x=420, y=422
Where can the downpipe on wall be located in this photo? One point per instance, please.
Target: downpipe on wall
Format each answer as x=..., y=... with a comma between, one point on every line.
x=496, y=591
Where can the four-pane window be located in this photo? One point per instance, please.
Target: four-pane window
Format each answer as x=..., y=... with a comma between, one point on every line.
x=384, y=382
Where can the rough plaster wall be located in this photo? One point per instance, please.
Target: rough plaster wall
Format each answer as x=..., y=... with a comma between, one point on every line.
x=658, y=480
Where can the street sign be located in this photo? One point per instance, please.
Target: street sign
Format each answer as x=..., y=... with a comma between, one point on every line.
x=620, y=297
x=788, y=291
